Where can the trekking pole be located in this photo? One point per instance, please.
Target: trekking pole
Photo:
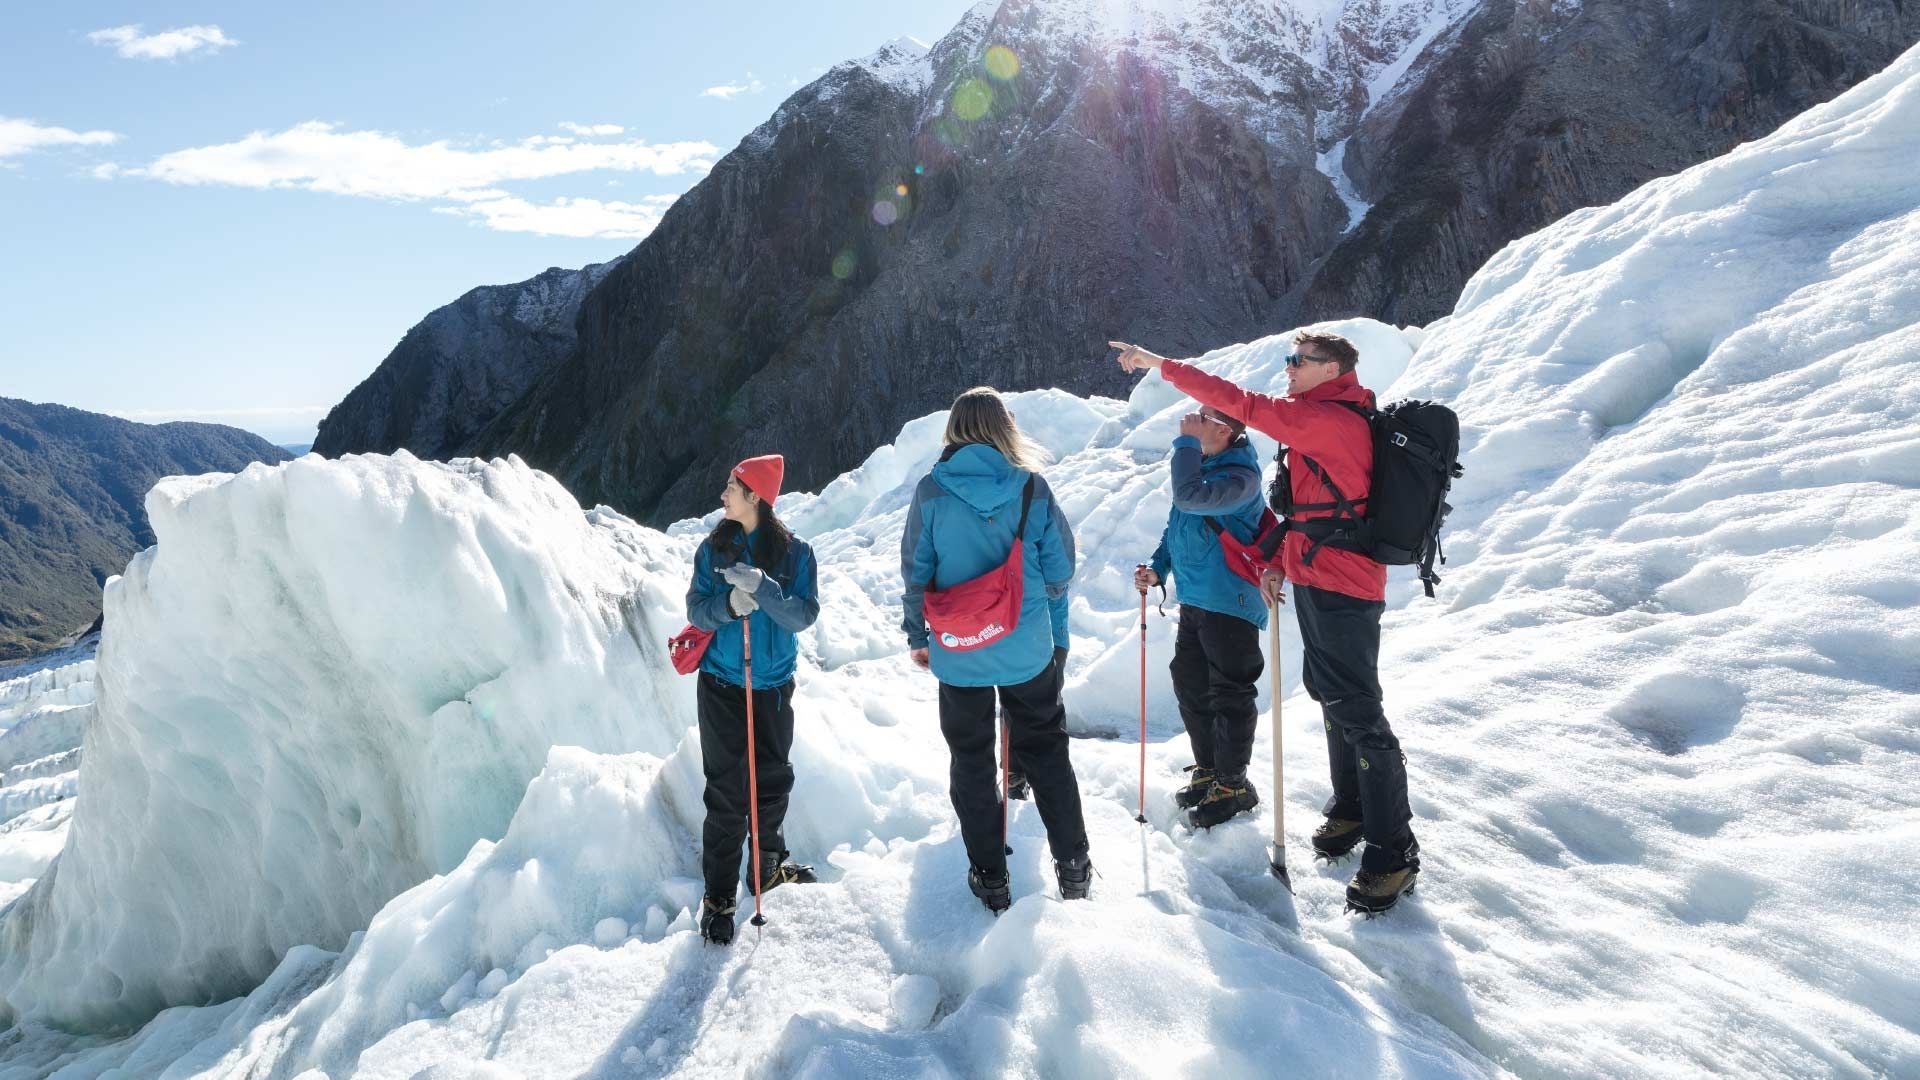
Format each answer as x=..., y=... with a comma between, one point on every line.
x=1141, y=817
x=753, y=772
x=1278, y=864
x=1006, y=752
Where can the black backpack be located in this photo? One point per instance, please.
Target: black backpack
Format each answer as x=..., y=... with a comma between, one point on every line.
x=1415, y=447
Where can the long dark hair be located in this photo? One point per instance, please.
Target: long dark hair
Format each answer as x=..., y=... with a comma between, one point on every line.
x=770, y=541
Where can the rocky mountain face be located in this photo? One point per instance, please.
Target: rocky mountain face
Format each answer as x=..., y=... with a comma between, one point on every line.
x=73, y=486
x=1053, y=173
x=460, y=367
x=1526, y=110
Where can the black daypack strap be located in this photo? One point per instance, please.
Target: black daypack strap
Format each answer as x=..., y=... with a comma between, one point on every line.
x=1026, y=504
x=1340, y=529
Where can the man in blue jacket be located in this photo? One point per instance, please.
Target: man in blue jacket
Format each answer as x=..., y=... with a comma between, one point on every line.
x=1216, y=655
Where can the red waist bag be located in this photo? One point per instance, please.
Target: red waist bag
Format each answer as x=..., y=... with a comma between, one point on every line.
x=687, y=647
x=977, y=613
x=1248, y=560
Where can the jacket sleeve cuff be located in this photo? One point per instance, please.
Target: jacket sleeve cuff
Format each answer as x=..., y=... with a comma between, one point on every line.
x=1186, y=442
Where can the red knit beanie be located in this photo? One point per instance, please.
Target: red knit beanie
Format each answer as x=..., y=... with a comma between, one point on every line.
x=762, y=475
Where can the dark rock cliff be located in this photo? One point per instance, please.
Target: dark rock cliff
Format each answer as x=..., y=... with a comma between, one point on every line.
x=1530, y=109
x=460, y=367
x=1047, y=177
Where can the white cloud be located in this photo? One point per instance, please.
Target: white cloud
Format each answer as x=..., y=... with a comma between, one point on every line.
x=20, y=136
x=592, y=129
x=131, y=44
x=731, y=90
x=567, y=217
x=318, y=156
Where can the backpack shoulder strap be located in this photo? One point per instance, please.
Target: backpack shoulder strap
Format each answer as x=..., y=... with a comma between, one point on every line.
x=1026, y=504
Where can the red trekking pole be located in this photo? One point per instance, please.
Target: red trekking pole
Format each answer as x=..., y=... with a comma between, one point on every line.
x=1141, y=817
x=753, y=772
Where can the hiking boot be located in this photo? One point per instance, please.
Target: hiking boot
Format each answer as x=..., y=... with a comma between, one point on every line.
x=1335, y=838
x=1076, y=877
x=1226, y=798
x=995, y=892
x=782, y=872
x=1375, y=892
x=716, y=920
x=1017, y=787
x=1199, y=778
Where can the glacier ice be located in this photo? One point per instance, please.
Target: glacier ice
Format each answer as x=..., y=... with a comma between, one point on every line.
x=1660, y=725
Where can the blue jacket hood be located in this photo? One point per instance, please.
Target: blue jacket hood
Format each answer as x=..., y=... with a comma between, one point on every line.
x=979, y=476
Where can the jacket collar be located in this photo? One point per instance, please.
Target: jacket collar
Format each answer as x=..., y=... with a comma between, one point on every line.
x=1340, y=388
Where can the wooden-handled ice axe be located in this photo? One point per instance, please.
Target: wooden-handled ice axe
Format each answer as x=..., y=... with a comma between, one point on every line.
x=1278, y=863
x=1141, y=817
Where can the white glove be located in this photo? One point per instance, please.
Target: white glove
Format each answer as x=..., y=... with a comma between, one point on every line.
x=742, y=576
x=742, y=603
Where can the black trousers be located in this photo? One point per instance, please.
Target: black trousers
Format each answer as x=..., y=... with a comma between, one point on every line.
x=1216, y=672
x=723, y=753
x=1341, y=670
x=1037, y=726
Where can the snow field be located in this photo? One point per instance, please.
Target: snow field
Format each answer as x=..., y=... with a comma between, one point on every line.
x=1660, y=724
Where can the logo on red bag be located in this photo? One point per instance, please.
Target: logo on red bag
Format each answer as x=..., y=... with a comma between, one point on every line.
x=987, y=633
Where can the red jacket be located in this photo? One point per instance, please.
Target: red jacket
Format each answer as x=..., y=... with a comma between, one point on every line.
x=1311, y=425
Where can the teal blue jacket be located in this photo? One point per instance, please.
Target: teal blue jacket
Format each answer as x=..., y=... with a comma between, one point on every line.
x=959, y=526
x=1225, y=487
x=789, y=599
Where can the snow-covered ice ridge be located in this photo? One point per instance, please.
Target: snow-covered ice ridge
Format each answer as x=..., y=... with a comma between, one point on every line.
x=1661, y=726
x=44, y=709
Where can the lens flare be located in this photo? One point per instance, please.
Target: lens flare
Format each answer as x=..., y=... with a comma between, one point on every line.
x=919, y=170
x=885, y=212
x=844, y=264
x=1001, y=63
x=900, y=190
x=972, y=99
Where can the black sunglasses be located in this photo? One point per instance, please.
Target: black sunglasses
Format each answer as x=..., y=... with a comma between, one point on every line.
x=1295, y=360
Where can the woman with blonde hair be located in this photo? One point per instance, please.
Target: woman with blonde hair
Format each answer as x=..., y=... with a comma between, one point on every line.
x=987, y=556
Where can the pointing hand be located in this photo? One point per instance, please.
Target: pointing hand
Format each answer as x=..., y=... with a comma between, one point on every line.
x=1134, y=358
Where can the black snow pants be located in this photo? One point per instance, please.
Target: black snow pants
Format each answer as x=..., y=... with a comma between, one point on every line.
x=723, y=752
x=1216, y=671
x=1341, y=670
x=1037, y=724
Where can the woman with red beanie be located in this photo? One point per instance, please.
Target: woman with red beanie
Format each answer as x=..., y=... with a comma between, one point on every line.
x=751, y=568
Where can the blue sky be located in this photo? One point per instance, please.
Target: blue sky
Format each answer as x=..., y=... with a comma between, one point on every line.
x=233, y=212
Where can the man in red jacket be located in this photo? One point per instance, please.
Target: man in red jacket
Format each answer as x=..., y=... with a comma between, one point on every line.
x=1338, y=595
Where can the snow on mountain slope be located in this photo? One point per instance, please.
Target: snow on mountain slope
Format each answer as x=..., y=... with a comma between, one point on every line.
x=1661, y=723
x=1670, y=709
